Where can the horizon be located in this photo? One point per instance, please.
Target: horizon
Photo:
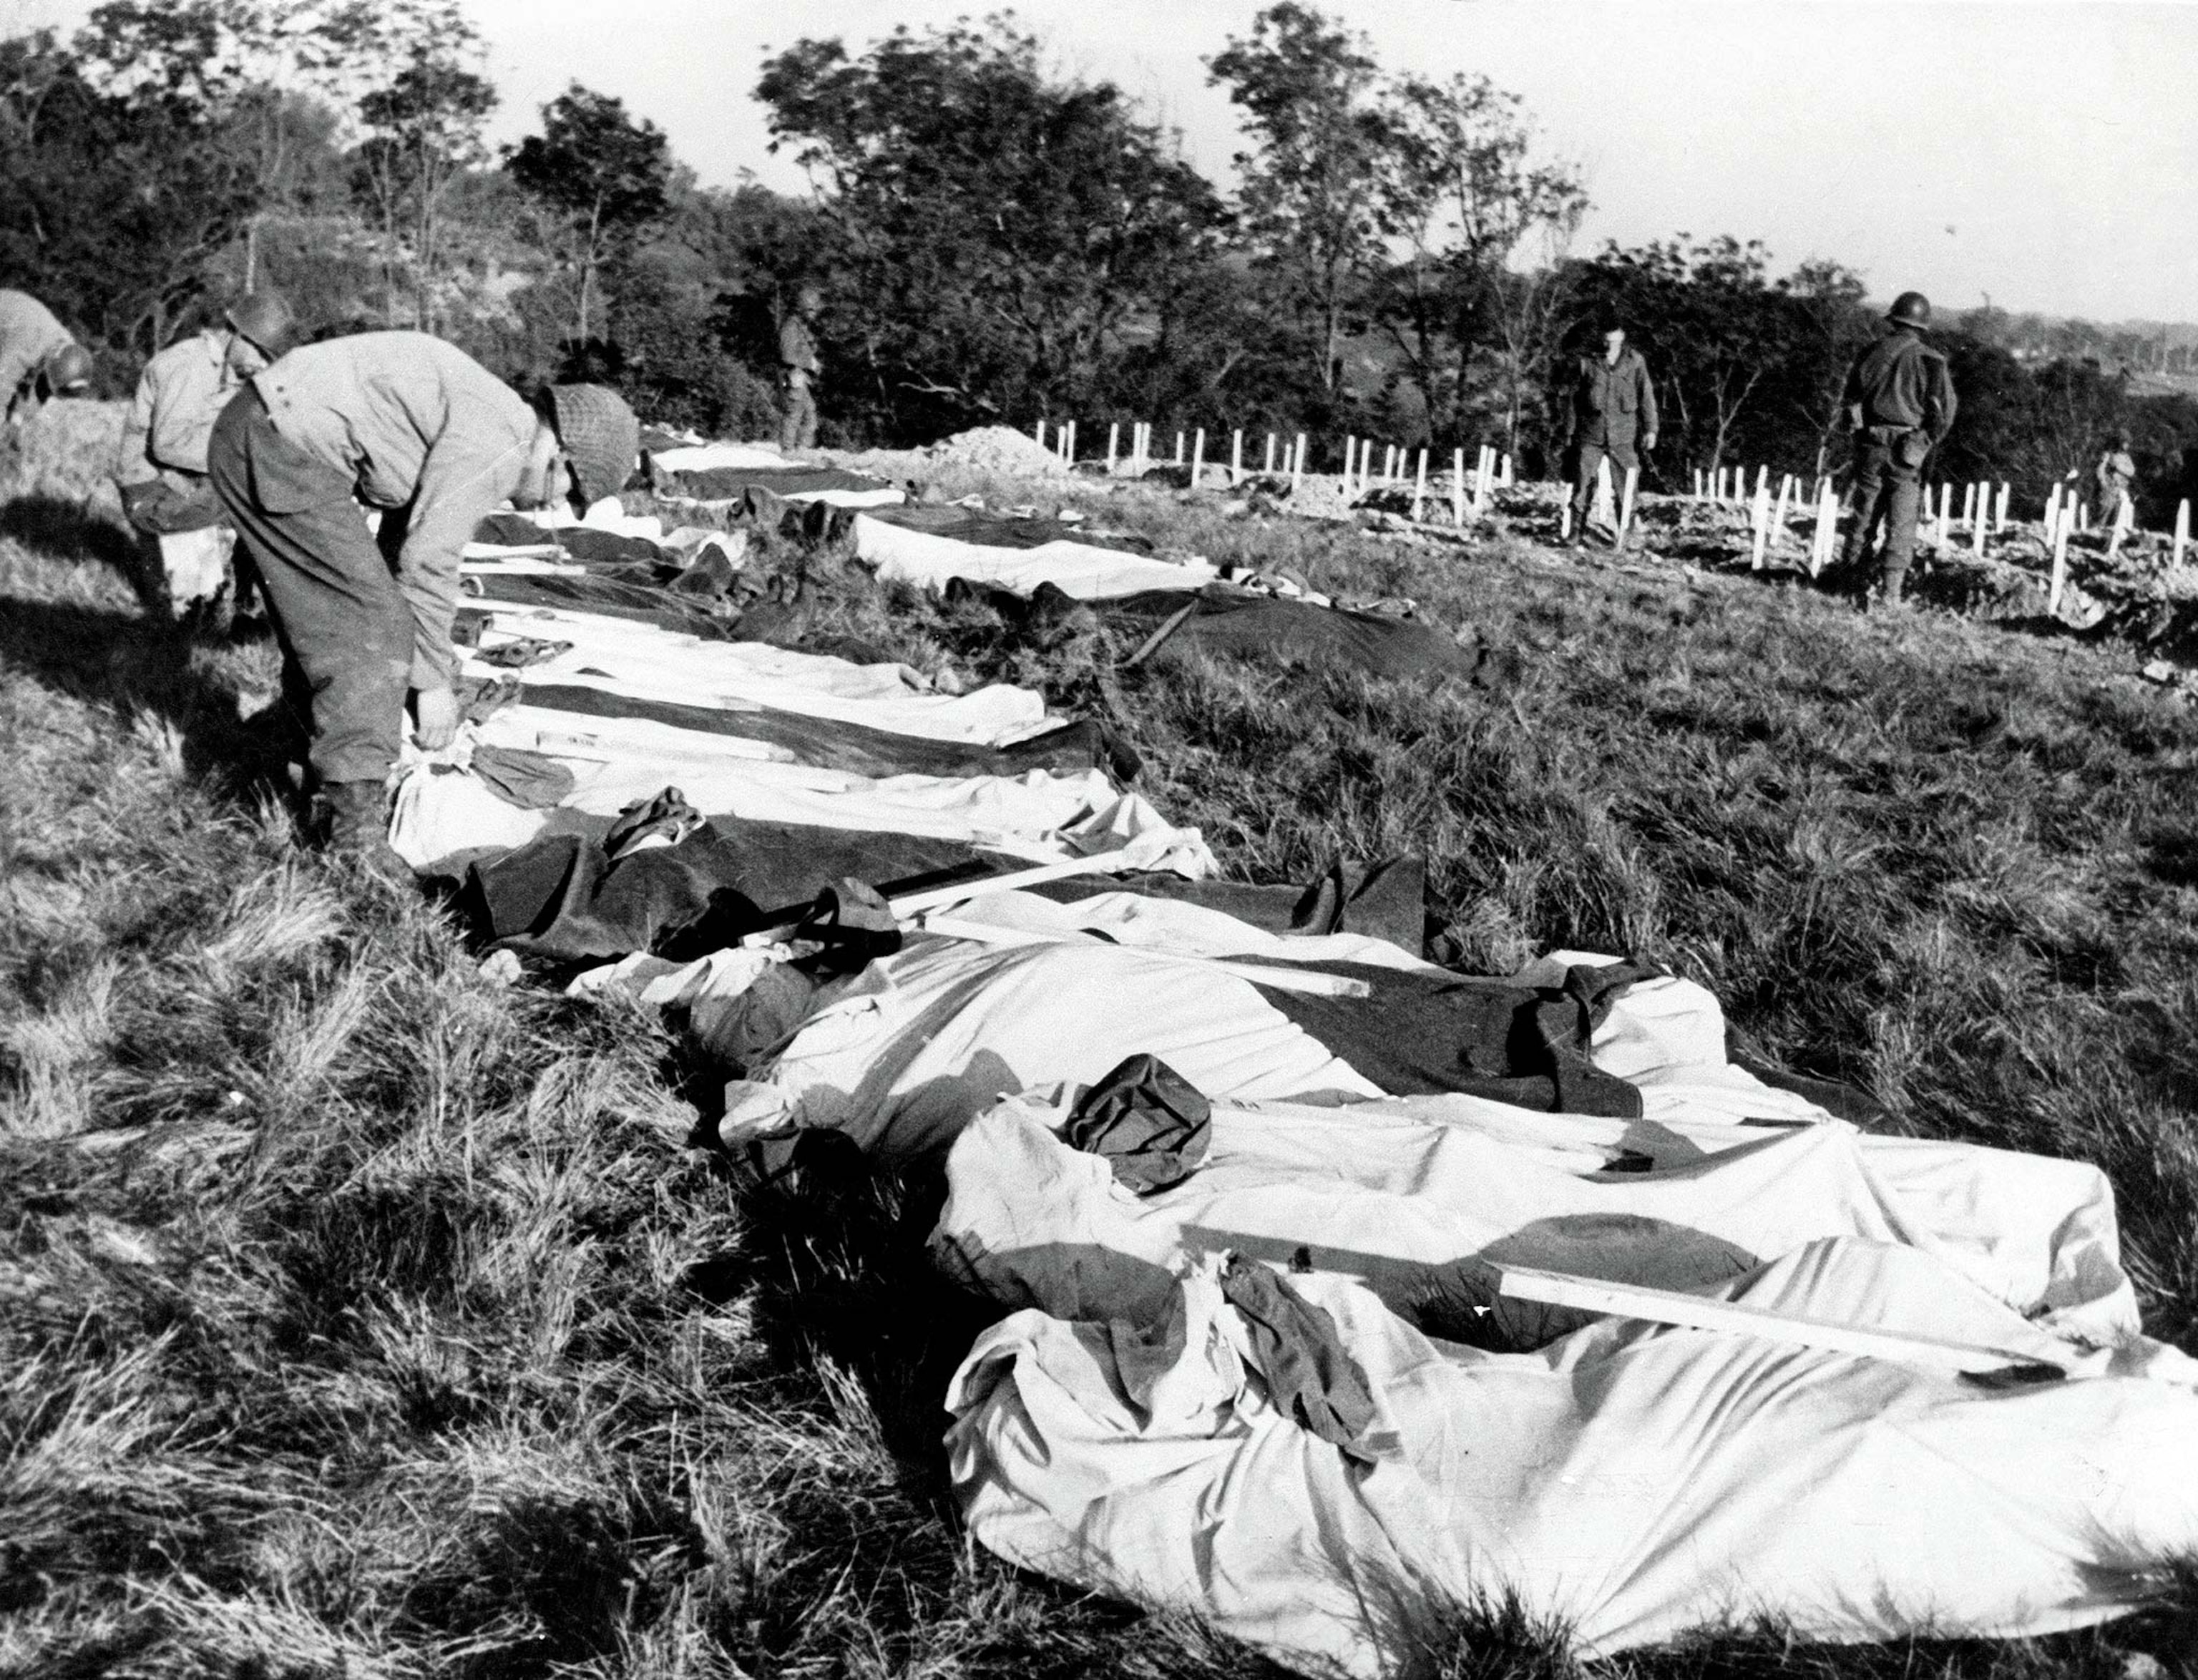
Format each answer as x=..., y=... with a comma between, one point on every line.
x=1888, y=136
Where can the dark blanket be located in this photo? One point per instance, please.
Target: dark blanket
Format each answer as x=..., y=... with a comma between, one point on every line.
x=1002, y=531
x=1422, y=1034
x=561, y=895
x=830, y=744
x=615, y=597
x=1385, y=899
x=727, y=483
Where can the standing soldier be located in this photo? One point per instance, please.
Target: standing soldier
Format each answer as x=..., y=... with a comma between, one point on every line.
x=39, y=358
x=161, y=468
x=410, y=425
x=2116, y=476
x=798, y=368
x=1899, y=402
x=1611, y=404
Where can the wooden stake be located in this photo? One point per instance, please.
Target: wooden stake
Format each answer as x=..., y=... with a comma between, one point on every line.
x=1785, y=489
x=1268, y=471
x=1457, y=488
x=1113, y=438
x=1698, y=483
x=1179, y=449
x=1820, y=550
x=1999, y=515
x=1237, y=456
x=1068, y=444
x=2059, y=573
x=2052, y=513
x=2181, y=532
x=1420, y=485
x=1652, y=1305
x=1762, y=522
x=1625, y=509
x=1605, y=504
x=1977, y=532
x=1506, y=479
x=1762, y=480
x=1297, y=463
x=1198, y=459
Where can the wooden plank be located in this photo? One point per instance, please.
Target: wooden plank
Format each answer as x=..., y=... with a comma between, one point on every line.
x=1695, y=1313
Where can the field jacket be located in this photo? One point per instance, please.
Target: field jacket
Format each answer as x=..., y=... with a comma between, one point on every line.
x=180, y=395
x=1899, y=385
x=414, y=425
x=1612, y=402
x=28, y=334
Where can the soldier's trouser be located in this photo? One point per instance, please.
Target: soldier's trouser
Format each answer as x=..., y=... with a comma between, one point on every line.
x=344, y=626
x=1623, y=460
x=798, y=431
x=1884, y=490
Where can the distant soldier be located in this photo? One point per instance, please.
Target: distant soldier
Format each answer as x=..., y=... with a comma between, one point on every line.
x=1899, y=403
x=798, y=367
x=410, y=425
x=1611, y=404
x=39, y=358
x=161, y=468
x=2116, y=477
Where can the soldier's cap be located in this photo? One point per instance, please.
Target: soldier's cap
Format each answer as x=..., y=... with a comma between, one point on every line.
x=599, y=435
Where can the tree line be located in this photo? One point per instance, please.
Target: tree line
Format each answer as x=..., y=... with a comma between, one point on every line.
x=992, y=240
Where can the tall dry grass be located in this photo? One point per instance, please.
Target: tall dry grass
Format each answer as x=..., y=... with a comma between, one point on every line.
x=359, y=1316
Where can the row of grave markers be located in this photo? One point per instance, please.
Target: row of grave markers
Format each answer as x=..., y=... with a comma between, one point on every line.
x=1492, y=471
x=1984, y=509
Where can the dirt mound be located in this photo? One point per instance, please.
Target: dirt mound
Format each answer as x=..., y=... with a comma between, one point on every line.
x=996, y=449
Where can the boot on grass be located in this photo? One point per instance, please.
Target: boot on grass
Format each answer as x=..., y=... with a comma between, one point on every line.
x=358, y=829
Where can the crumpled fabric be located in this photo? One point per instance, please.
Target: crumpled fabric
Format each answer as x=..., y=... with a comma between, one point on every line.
x=665, y=820
x=530, y=780
x=853, y=923
x=1297, y=1349
x=526, y=651
x=480, y=698
x=1151, y=1125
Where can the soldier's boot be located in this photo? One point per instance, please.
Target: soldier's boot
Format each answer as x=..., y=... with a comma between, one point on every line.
x=359, y=829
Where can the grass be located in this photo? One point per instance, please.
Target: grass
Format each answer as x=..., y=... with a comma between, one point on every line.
x=361, y=1316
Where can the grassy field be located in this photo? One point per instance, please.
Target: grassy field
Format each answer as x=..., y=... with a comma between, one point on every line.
x=359, y=1316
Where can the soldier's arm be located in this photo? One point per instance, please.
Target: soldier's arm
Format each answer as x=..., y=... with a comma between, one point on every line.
x=1944, y=404
x=1647, y=402
x=466, y=476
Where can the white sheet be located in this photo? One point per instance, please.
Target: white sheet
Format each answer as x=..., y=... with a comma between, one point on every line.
x=1078, y=569
x=1629, y=1483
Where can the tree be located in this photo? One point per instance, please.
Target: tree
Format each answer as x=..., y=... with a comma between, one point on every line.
x=1308, y=90
x=992, y=236
x=423, y=130
x=604, y=173
x=1454, y=186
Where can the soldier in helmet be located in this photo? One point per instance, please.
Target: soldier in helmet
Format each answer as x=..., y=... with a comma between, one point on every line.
x=39, y=358
x=160, y=467
x=2116, y=478
x=1899, y=402
x=408, y=424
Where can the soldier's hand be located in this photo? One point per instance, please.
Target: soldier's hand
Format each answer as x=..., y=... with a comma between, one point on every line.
x=436, y=711
x=1648, y=440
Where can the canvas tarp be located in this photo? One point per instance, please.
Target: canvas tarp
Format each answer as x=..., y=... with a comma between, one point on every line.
x=1629, y=1483
x=1083, y=571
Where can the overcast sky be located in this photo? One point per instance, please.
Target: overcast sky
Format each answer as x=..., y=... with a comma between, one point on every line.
x=2044, y=153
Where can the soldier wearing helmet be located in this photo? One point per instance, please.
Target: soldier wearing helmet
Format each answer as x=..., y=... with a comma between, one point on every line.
x=413, y=426
x=799, y=367
x=1899, y=402
x=39, y=358
x=160, y=467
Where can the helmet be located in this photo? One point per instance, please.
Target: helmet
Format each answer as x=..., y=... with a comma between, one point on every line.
x=600, y=437
x=66, y=370
x=1910, y=309
x=264, y=319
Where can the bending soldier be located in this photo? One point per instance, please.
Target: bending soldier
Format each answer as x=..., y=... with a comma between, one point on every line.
x=410, y=425
x=39, y=359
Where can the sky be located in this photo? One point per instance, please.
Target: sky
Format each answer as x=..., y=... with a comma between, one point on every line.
x=2043, y=153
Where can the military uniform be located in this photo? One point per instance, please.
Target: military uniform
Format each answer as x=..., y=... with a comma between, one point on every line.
x=798, y=368
x=161, y=464
x=401, y=421
x=1613, y=403
x=2116, y=477
x=29, y=334
x=1899, y=399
